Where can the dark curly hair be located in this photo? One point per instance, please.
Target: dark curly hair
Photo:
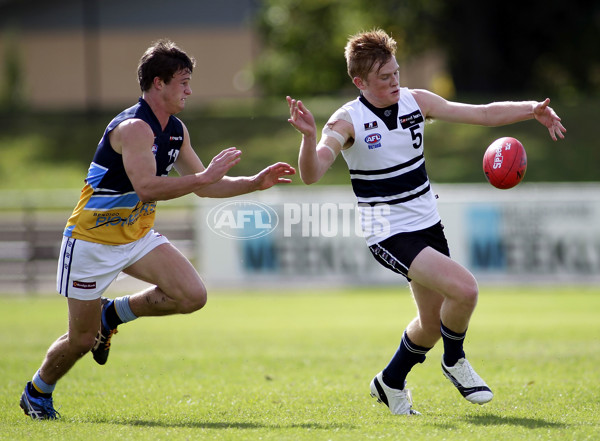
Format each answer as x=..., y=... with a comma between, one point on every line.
x=163, y=59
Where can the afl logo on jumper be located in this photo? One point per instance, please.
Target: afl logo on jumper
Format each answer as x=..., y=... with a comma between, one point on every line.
x=373, y=140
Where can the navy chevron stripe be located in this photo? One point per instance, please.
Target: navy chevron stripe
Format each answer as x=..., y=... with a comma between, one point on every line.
x=66, y=259
x=387, y=170
x=397, y=200
x=396, y=185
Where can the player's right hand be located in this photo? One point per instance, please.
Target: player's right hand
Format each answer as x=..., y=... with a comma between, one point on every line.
x=221, y=164
x=301, y=118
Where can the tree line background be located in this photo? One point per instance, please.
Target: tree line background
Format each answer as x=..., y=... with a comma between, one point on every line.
x=499, y=47
x=494, y=50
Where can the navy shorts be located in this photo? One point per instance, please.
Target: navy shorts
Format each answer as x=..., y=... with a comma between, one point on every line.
x=398, y=252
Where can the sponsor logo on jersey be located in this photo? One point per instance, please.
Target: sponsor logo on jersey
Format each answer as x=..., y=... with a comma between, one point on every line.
x=176, y=138
x=373, y=140
x=114, y=219
x=371, y=125
x=411, y=119
x=154, y=149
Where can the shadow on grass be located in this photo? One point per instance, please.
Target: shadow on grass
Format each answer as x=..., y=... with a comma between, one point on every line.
x=223, y=425
x=496, y=420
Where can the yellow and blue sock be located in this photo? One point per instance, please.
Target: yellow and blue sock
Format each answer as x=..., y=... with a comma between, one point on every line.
x=39, y=387
x=117, y=312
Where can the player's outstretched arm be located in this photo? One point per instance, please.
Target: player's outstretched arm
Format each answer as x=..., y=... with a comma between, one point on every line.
x=226, y=186
x=132, y=139
x=278, y=173
x=492, y=114
x=212, y=181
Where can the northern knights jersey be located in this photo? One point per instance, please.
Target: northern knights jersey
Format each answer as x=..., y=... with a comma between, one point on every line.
x=387, y=168
x=109, y=211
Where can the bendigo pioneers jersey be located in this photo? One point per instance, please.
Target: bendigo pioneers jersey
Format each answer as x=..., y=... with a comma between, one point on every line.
x=109, y=211
x=387, y=168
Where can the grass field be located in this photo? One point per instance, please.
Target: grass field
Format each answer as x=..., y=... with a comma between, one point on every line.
x=262, y=366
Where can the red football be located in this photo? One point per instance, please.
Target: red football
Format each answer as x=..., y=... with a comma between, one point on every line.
x=505, y=163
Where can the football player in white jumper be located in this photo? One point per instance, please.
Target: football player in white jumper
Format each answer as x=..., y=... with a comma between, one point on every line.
x=380, y=135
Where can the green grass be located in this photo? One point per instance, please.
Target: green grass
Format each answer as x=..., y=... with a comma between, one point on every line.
x=297, y=367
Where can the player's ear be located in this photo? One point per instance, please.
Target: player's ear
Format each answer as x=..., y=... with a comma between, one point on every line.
x=358, y=82
x=158, y=82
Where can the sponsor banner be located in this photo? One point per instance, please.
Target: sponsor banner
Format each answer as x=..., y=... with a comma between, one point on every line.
x=532, y=232
x=284, y=235
x=313, y=235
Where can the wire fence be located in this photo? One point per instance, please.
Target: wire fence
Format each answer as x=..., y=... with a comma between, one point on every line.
x=31, y=228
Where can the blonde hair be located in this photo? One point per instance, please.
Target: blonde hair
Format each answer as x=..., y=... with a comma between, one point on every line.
x=366, y=50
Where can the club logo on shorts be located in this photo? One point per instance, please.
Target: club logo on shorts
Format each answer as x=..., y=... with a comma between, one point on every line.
x=84, y=285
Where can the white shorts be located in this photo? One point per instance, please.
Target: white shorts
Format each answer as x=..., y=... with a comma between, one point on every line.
x=86, y=269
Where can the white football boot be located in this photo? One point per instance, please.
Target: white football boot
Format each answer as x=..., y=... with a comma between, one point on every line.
x=468, y=383
x=398, y=400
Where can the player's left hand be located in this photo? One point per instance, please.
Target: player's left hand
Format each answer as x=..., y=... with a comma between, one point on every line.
x=273, y=175
x=548, y=117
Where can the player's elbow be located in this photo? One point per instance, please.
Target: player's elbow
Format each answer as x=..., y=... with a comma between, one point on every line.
x=308, y=177
x=307, y=181
x=146, y=193
x=145, y=196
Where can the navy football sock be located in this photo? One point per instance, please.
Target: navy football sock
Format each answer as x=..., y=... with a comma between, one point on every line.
x=453, y=345
x=407, y=355
x=110, y=318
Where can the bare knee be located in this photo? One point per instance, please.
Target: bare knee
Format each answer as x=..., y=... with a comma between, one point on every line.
x=82, y=343
x=193, y=301
x=469, y=292
x=463, y=290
